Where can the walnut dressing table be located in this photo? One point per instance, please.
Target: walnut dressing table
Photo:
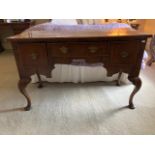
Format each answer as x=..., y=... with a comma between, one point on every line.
x=39, y=48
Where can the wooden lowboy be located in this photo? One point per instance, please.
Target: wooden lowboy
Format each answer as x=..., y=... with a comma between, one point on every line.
x=39, y=48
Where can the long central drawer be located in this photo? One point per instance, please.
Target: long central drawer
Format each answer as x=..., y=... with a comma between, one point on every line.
x=77, y=49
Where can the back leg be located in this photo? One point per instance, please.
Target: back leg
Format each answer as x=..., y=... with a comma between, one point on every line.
x=119, y=77
x=40, y=81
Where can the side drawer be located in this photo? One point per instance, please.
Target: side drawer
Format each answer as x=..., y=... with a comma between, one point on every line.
x=124, y=52
x=33, y=55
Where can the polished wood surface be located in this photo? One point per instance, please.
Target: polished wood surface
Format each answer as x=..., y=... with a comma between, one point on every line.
x=59, y=33
x=39, y=48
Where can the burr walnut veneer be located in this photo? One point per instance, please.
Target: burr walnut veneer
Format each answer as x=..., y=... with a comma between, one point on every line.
x=39, y=48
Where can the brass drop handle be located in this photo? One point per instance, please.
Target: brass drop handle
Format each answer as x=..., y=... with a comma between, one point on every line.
x=124, y=54
x=93, y=49
x=34, y=56
x=64, y=50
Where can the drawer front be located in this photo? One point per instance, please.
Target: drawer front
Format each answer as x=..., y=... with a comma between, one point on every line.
x=77, y=49
x=33, y=55
x=124, y=52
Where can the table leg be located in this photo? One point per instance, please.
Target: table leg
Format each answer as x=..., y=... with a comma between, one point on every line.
x=22, y=87
x=137, y=83
x=118, y=80
x=40, y=81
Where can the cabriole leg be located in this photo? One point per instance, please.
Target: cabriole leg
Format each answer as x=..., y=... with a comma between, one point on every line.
x=22, y=87
x=150, y=61
x=118, y=80
x=40, y=81
x=137, y=83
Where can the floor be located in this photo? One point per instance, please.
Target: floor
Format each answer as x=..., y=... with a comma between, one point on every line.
x=90, y=108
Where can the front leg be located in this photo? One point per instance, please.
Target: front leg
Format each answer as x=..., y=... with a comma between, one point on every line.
x=22, y=87
x=137, y=82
